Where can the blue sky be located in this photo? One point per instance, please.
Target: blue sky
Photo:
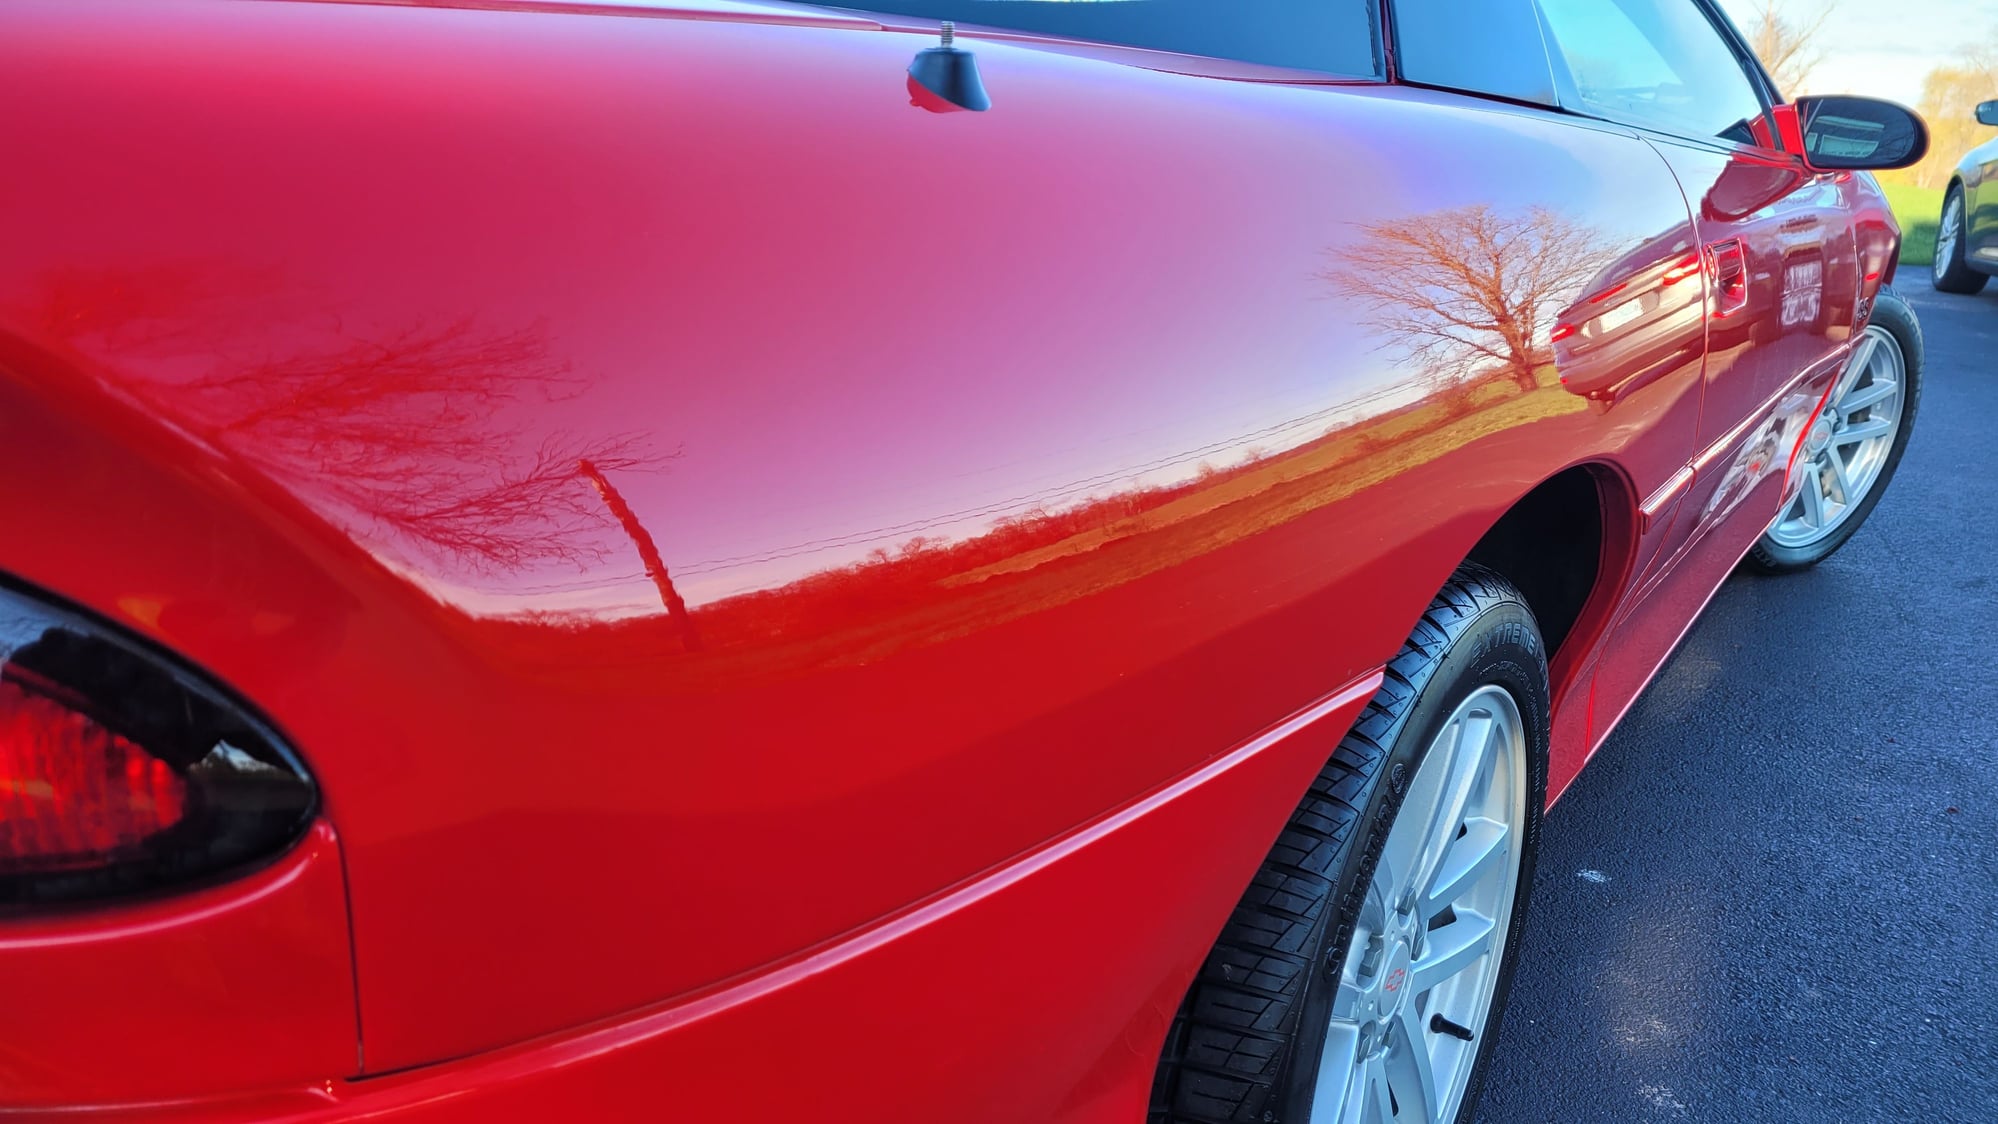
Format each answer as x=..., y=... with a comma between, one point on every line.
x=1883, y=47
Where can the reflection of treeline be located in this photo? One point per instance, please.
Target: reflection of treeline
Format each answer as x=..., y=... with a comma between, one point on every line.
x=923, y=571
x=914, y=570
x=887, y=586
x=923, y=592
x=892, y=578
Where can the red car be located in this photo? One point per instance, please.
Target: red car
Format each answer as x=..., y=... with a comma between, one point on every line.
x=709, y=560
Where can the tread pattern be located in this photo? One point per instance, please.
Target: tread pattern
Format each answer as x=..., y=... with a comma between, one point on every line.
x=1226, y=1055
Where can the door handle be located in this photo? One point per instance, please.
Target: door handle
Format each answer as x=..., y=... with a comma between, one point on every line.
x=1727, y=263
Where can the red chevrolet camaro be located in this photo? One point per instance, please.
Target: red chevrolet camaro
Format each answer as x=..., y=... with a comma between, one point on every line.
x=700, y=560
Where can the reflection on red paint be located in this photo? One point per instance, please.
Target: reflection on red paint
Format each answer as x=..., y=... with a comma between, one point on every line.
x=1632, y=328
x=1730, y=273
x=648, y=553
x=1022, y=469
x=1687, y=268
x=1804, y=433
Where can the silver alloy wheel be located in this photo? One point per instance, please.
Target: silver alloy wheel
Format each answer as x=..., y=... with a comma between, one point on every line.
x=1952, y=228
x=1848, y=445
x=1416, y=989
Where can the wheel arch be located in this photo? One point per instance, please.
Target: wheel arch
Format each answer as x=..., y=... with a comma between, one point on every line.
x=1568, y=544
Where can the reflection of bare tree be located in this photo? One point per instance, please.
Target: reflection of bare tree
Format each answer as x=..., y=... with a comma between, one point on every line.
x=410, y=431
x=1471, y=288
x=426, y=431
x=648, y=553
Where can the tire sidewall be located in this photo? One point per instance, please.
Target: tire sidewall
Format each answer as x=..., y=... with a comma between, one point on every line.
x=1955, y=274
x=1502, y=647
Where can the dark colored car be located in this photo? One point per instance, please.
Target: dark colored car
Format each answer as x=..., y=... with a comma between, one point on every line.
x=1967, y=239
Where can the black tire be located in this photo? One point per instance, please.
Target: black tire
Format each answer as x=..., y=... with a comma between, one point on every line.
x=1244, y=1046
x=1955, y=274
x=1891, y=312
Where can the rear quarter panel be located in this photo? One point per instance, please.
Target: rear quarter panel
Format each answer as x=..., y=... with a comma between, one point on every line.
x=1004, y=467
x=1980, y=197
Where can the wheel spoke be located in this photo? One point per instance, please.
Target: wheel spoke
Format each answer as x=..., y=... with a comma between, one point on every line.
x=1874, y=393
x=1415, y=1085
x=1484, y=845
x=1837, y=465
x=1340, y=1075
x=1474, y=754
x=1862, y=354
x=1377, y=1091
x=1813, y=495
x=1401, y=857
x=1451, y=949
x=1362, y=1095
x=1872, y=427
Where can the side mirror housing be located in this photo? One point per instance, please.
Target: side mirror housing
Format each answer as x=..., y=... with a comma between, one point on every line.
x=1987, y=113
x=1846, y=133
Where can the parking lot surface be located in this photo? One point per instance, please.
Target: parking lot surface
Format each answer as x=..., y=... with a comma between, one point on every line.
x=1773, y=895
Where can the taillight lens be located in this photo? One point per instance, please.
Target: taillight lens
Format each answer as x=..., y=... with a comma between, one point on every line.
x=121, y=771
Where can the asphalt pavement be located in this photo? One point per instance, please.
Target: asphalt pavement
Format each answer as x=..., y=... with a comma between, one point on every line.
x=1773, y=894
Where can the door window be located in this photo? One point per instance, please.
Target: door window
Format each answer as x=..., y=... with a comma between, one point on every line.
x=1336, y=36
x=1490, y=47
x=1660, y=64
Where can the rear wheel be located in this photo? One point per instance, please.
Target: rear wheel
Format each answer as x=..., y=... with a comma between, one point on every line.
x=1952, y=273
x=1852, y=450
x=1361, y=978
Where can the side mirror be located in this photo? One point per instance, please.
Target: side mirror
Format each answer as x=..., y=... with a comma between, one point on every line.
x=1843, y=133
x=1987, y=114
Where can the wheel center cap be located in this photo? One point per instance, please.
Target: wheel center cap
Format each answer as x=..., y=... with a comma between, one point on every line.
x=1820, y=435
x=1397, y=980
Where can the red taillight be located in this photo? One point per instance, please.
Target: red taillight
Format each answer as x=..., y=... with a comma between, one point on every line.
x=1689, y=266
x=121, y=771
x=73, y=794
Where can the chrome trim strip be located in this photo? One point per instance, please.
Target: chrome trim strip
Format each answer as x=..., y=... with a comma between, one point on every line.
x=1728, y=440
x=1665, y=494
x=1659, y=500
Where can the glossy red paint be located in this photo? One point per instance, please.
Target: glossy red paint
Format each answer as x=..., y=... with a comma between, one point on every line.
x=239, y=987
x=1050, y=932
x=768, y=577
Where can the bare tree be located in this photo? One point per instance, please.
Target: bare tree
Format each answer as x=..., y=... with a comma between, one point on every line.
x=1788, y=44
x=1471, y=289
x=1950, y=95
x=423, y=431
